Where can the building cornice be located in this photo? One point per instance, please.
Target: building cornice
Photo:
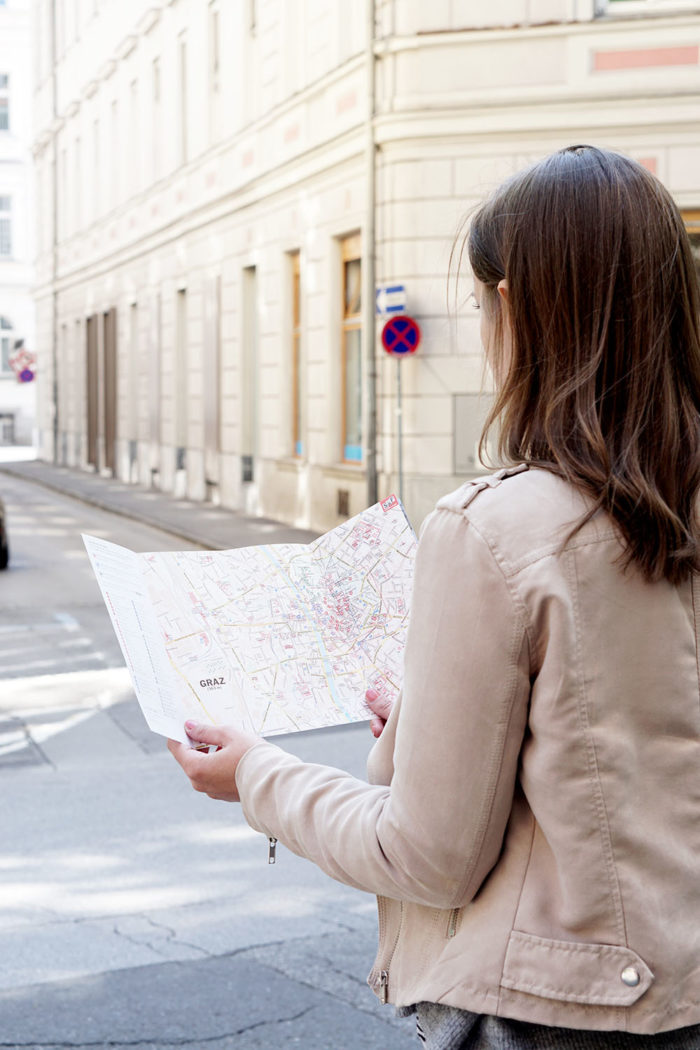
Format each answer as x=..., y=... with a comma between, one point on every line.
x=107, y=69
x=602, y=25
x=126, y=47
x=148, y=20
x=564, y=112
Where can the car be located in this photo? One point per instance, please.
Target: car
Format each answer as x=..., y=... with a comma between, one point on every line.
x=4, y=545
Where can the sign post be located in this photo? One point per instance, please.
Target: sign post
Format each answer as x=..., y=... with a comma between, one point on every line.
x=400, y=338
x=22, y=362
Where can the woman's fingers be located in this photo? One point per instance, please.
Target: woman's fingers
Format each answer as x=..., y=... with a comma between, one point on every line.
x=205, y=734
x=379, y=705
x=376, y=725
x=213, y=773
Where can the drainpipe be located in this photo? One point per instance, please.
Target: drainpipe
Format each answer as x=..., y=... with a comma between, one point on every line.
x=369, y=309
x=54, y=233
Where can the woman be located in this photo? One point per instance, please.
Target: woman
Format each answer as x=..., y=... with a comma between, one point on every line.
x=532, y=827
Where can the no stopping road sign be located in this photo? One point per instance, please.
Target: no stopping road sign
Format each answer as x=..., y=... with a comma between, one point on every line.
x=400, y=336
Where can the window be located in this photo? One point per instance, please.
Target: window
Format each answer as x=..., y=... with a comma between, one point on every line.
x=643, y=7
x=181, y=397
x=5, y=226
x=351, y=350
x=64, y=218
x=250, y=387
x=297, y=404
x=77, y=187
x=6, y=344
x=692, y=224
x=214, y=47
x=134, y=377
x=135, y=135
x=215, y=101
x=182, y=65
x=115, y=147
x=4, y=102
x=94, y=179
x=58, y=25
x=156, y=114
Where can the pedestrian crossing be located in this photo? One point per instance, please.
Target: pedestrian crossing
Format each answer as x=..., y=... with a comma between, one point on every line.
x=54, y=643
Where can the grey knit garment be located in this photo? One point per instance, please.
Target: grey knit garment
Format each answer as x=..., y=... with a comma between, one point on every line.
x=446, y=1028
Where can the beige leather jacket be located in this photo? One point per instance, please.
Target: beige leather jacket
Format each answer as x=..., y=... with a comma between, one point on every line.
x=537, y=853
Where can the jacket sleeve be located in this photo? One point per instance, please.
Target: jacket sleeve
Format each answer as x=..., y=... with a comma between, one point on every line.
x=436, y=832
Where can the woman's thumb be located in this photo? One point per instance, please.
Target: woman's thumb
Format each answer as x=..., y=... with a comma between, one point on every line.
x=205, y=734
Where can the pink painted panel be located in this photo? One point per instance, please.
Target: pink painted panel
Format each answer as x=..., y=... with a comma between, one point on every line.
x=645, y=58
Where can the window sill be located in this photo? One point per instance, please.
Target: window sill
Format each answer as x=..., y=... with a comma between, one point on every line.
x=344, y=470
x=634, y=8
x=290, y=462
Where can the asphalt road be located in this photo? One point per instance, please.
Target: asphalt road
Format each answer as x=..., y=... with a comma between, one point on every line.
x=135, y=912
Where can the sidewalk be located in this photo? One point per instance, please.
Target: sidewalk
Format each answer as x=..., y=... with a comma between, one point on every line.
x=213, y=528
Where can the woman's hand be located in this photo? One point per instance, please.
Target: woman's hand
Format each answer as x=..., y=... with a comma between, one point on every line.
x=380, y=706
x=213, y=773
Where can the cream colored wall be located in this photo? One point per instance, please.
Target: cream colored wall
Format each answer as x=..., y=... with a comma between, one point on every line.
x=458, y=113
x=278, y=164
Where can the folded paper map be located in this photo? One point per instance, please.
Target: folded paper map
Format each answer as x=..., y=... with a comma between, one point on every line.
x=272, y=638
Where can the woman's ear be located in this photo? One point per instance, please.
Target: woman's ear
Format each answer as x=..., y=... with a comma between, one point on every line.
x=502, y=289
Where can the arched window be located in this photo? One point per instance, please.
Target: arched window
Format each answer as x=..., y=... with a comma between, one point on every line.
x=7, y=343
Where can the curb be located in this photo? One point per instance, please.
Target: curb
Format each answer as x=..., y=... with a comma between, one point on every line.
x=141, y=514
x=111, y=508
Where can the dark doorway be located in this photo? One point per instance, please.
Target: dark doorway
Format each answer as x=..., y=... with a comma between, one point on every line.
x=93, y=389
x=110, y=388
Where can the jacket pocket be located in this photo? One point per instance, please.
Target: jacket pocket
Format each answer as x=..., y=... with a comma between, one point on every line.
x=598, y=974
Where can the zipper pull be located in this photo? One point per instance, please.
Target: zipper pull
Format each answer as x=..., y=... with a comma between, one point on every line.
x=452, y=926
x=271, y=850
x=384, y=987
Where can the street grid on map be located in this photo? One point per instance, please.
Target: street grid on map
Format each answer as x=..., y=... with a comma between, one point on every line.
x=273, y=638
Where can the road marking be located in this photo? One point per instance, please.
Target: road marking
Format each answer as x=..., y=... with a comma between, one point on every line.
x=33, y=665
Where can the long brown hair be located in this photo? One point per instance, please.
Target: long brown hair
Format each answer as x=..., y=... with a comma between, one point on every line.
x=602, y=380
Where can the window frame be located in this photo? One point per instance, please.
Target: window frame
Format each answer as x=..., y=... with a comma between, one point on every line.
x=214, y=69
x=350, y=251
x=156, y=117
x=6, y=217
x=7, y=332
x=5, y=98
x=605, y=8
x=214, y=19
x=182, y=99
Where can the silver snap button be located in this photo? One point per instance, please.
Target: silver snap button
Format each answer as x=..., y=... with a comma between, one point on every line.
x=630, y=977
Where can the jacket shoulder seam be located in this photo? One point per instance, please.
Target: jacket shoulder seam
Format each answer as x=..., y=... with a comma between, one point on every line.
x=508, y=578
x=511, y=568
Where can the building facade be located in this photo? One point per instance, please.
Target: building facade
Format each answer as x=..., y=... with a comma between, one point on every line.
x=16, y=221
x=224, y=184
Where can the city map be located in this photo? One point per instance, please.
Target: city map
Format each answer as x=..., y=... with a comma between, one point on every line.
x=271, y=638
